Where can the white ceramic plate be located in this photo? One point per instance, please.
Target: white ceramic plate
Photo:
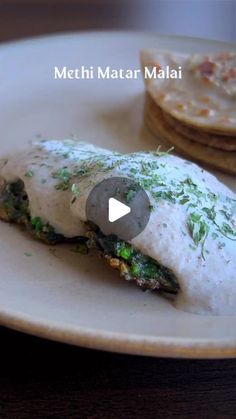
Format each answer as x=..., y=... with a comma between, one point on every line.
x=59, y=294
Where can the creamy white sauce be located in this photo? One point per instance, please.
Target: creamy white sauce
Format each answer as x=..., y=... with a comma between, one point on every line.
x=208, y=284
x=46, y=202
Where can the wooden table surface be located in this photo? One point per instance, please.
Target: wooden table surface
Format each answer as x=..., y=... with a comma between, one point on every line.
x=42, y=379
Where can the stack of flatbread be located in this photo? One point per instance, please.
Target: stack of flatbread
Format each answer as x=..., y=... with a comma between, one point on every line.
x=195, y=113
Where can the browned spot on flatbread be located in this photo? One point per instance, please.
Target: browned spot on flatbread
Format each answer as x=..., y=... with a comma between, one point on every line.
x=205, y=96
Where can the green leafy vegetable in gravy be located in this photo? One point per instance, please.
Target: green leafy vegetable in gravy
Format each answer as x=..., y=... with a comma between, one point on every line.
x=135, y=266
x=14, y=207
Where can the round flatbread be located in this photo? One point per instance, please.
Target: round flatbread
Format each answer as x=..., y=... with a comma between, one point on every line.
x=205, y=96
x=220, y=142
x=222, y=160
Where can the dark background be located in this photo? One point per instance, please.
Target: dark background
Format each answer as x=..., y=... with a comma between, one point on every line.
x=203, y=18
x=42, y=379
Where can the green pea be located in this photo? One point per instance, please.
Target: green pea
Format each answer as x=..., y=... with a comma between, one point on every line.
x=135, y=270
x=124, y=251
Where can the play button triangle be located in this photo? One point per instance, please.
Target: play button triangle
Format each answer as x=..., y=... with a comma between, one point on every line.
x=117, y=210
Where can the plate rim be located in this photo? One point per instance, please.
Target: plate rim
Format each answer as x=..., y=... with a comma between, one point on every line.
x=121, y=342
x=49, y=36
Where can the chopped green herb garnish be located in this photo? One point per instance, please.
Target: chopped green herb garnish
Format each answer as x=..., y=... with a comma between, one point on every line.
x=227, y=230
x=167, y=195
x=198, y=229
x=131, y=194
x=75, y=190
x=184, y=201
x=160, y=153
x=37, y=224
x=30, y=173
x=28, y=254
x=64, y=175
x=211, y=213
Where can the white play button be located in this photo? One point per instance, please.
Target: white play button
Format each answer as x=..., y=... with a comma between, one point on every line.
x=118, y=206
x=117, y=210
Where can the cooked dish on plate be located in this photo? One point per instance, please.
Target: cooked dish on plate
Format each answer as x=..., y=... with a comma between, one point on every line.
x=197, y=113
x=187, y=249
